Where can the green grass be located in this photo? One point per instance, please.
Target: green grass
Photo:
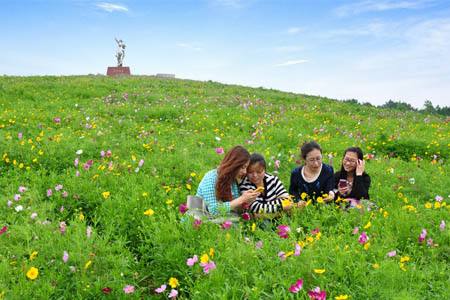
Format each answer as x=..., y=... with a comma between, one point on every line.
x=175, y=126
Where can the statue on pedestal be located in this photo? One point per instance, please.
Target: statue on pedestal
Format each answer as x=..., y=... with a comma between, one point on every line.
x=120, y=54
x=120, y=70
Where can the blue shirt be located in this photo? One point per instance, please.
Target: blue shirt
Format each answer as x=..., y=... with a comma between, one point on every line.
x=207, y=190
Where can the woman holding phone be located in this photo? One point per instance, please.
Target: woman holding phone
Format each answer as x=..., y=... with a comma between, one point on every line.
x=352, y=181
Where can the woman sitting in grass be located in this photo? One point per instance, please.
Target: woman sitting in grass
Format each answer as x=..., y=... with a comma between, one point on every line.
x=314, y=179
x=272, y=190
x=219, y=187
x=352, y=182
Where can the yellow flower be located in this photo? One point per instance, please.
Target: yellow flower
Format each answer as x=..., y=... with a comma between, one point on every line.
x=319, y=271
x=144, y=194
x=211, y=252
x=428, y=205
x=33, y=255
x=376, y=266
x=88, y=264
x=341, y=297
x=402, y=266
x=437, y=205
x=188, y=186
x=169, y=202
x=318, y=235
x=303, y=195
x=227, y=236
x=309, y=239
x=133, y=157
x=106, y=195
x=173, y=282
x=385, y=214
x=319, y=200
x=149, y=212
x=404, y=259
x=366, y=246
x=368, y=225
x=81, y=216
x=289, y=253
x=32, y=273
x=253, y=227
x=308, y=202
x=204, y=258
x=193, y=174
x=286, y=203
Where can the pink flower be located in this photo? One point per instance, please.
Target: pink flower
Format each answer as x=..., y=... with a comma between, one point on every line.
x=108, y=153
x=197, y=223
x=88, y=164
x=17, y=197
x=183, y=208
x=64, y=194
x=141, y=163
x=22, y=189
x=49, y=192
x=88, y=231
x=161, y=289
x=3, y=230
x=315, y=231
x=62, y=227
x=208, y=266
x=392, y=253
x=277, y=164
x=33, y=216
x=191, y=261
x=57, y=120
x=283, y=231
x=282, y=255
x=220, y=151
x=20, y=135
x=128, y=289
x=298, y=250
x=259, y=244
x=422, y=235
x=9, y=203
x=317, y=294
x=442, y=225
x=102, y=153
x=438, y=198
x=77, y=173
x=296, y=287
x=355, y=230
x=246, y=216
x=430, y=242
x=58, y=187
x=363, y=238
x=76, y=162
x=227, y=224
x=61, y=209
x=65, y=257
x=173, y=293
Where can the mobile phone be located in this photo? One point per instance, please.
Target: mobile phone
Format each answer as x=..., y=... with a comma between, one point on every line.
x=343, y=183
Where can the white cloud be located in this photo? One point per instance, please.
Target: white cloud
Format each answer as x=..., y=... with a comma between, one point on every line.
x=380, y=5
x=294, y=30
x=291, y=63
x=288, y=48
x=111, y=7
x=189, y=46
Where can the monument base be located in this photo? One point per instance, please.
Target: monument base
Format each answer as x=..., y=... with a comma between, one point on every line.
x=118, y=71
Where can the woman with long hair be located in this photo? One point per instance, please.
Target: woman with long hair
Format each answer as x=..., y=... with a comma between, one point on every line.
x=219, y=187
x=352, y=181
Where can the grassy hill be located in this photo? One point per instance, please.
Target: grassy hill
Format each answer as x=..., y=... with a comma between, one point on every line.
x=93, y=223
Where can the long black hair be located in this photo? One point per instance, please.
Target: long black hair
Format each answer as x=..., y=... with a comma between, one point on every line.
x=360, y=155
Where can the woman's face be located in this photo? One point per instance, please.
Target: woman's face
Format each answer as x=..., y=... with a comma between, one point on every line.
x=255, y=173
x=349, y=162
x=243, y=170
x=314, y=159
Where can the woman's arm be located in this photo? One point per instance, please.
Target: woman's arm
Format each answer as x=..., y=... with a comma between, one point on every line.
x=361, y=187
x=294, y=185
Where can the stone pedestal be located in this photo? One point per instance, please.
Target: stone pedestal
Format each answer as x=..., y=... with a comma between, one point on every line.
x=118, y=71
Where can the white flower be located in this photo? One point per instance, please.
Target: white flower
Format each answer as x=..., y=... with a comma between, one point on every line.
x=79, y=152
x=218, y=138
x=18, y=208
x=412, y=180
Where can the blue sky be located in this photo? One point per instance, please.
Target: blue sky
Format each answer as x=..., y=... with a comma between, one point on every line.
x=368, y=50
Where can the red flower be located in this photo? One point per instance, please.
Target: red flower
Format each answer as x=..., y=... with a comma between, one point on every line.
x=3, y=230
x=246, y=216
x=183, y=208
x=106, y=290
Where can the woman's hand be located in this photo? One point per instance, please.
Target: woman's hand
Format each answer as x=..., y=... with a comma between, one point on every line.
x=301, y=204
x=343, y=190
x=360, y=167
x=244, y=200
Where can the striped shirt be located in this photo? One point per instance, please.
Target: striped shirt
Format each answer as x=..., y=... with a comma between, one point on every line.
x=270, y=200
x=207, y=190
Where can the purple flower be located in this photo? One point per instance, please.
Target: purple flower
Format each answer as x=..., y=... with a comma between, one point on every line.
x=422, y=235
x=438, y=198
x=20, y=135
x=227, y=224
x=62, y=227
x=49, y=192
x=282, y=255
x=161, y=289
x=65, y=257
x=442, y=225
x=298, y=250
x=22, y=189
x=317, y=294
x=283, y=231
x=173, y=293
x=430, y=242
x=77, y=173
x=392, y=253
x=76, y=162
x=128, y=289
x=208, y=266
x=141, y=163
x=259, y=244
x=363, y=238
x=191, y=261
x=220, y=151
x=102, y=153
x=58, y=187
x=9, y=203
x=296, y=287
x=277, y=164
x=183, y=208
x=57, y=120
x=197, y=223
x=17, y=197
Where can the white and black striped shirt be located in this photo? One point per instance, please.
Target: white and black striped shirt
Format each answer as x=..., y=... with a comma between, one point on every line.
x=270, y=200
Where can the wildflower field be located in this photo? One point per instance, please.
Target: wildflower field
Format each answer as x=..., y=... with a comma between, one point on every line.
x=95, y=172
